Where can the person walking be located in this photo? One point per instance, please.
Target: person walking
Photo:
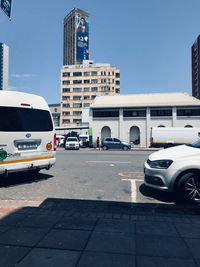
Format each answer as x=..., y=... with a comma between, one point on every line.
x=97, y=142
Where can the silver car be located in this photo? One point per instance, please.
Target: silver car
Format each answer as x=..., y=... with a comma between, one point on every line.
x=175, y=169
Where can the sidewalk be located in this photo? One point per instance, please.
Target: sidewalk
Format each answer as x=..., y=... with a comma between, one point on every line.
x=63, y=232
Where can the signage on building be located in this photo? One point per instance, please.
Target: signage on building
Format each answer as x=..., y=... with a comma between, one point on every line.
x=5, y=6
x=82, y=38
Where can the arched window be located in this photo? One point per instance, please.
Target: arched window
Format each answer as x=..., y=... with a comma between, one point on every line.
x=105, y=132
x=188, y=126
x=161, y=126
x=135, y=135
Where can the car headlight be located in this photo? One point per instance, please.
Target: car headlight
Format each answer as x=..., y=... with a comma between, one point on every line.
x=160, y=164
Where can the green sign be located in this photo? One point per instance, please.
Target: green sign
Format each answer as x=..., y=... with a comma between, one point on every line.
x=90, y=131
x=3, y=154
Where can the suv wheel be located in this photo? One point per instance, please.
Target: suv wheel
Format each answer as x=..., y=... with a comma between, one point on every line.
x=189, y=187
x=125, y=148
x=104, y=147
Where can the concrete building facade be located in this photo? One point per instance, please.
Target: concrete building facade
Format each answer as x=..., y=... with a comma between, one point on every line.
x=131, y=117
x=196, y=68
x=4, y=63
x=80, y=84
x=76, y=41
x=55, y=111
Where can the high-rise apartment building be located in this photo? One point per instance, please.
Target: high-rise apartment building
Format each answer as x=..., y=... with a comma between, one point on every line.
x=80, y=84
x=196, y=68
x=4, y=57
x=76, y=47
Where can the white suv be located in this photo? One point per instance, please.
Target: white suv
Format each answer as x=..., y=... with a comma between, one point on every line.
x=72, y=143
x=175, y=169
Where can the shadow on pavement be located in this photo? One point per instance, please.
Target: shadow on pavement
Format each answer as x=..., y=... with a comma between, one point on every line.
x=157, y=194
x=15, y=179
x=85, y=233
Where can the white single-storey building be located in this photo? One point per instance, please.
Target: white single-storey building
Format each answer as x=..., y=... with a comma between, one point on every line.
x=131, y=117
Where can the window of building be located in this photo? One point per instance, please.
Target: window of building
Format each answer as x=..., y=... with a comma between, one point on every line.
x=117, y=90
x=77, y=81
x=66, y=105
x=76, y=121
x=117, y=75
x=134, y=113
x=77, y=90
x=86, y=81
x=86, y=73
x=93, y=96
x=188, y=126
x=66, y=82
x=188, y=112
x=66, y=97
x=105, y=113
x=117, y=82
x=77, y=105
x=66, y=74
x=161, y=112
x=77, y=74
x=86, y=97
x=94, y=89
x=86, y=89
x=77, y=113
x=78, y=97
x=66, y=113
x=66, y=121
x=66, y=90
x=94, y=81
x=86, y=105
x=94, y=73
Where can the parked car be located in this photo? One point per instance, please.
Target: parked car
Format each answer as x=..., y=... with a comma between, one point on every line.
x=72, y=143
x=175, y=169
x=84, y=140
x=60, y=140
x=114, y=143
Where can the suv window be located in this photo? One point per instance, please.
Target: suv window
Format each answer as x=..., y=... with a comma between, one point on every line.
x=116, y=140
x=13, y=119
x=72, y=139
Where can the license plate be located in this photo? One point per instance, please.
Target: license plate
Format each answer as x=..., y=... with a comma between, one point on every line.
x=26, y=146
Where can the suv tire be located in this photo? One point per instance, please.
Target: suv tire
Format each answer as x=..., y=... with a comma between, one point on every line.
x=189, y=187
x=104, y=147
x=125, y=148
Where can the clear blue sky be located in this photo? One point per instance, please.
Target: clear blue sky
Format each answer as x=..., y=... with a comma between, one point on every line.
x=148, y=40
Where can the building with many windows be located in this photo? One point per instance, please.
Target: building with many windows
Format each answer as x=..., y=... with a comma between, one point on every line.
x=196, y=68
x=131, y=117
x=4, y=57
x=80, y=84
x=76, y=45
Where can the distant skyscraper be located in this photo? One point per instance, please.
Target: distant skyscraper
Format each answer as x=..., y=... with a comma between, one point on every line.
x=4, y=55
x=76, y=46
x=196, y=68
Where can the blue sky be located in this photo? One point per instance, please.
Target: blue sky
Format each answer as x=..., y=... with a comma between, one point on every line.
x=148, y=40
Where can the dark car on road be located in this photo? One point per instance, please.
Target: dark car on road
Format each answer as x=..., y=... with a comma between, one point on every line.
x=114, y=143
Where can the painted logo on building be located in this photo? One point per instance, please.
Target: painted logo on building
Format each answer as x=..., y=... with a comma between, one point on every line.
x=82, y=38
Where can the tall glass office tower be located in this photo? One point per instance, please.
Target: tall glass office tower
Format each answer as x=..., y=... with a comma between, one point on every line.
x=4, y=58
x=76, y=45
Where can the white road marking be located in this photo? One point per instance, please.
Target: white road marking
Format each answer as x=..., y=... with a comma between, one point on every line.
x=133, y=189
x=101, y=161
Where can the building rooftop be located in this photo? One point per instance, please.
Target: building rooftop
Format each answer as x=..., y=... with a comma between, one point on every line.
x=145, y=100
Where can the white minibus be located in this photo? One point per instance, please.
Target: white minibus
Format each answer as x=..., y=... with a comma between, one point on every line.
x=27, y=134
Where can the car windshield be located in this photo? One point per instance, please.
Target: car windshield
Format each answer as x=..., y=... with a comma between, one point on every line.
x=196, y=144
x=72, y=139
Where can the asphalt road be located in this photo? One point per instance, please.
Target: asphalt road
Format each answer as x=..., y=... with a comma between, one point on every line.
x=87, y=174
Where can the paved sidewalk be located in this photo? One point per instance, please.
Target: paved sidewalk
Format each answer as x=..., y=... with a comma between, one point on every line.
x=63, y=232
